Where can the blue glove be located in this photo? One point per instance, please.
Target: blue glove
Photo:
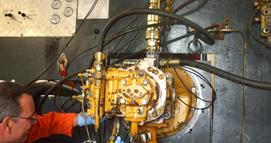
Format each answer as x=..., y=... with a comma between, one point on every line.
x=118, y=140
x=81, y=120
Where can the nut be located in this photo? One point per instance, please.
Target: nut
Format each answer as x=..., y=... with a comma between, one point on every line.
x=145, y=82
x=161, y=76
x=144, y=102
x=124, y=82
x=122, y=101
x=150, y=69
x=156, y=72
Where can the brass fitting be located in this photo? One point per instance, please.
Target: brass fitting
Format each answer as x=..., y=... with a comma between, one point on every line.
x=152, y=33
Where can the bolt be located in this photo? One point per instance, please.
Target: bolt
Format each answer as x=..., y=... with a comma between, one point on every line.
x=265, y=30
x=145, y=82
x=161, y=76
x=136, y=91
x=128, y=90
x=141, y=74
x=144, y=102
x=124, y=82
x=166, y=114
x=122, y=101
x=156, y=72
x=256, y=3
x=150, y=69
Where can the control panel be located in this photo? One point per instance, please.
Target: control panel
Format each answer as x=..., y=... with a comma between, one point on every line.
x=37, y=18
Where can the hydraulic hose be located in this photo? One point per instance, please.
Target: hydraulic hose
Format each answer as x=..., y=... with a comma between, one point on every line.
x=227, y=75
x=202, y=33
x=220, y=73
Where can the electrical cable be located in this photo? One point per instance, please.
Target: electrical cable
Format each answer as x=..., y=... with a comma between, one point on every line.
x=214, y=97
x=53, y=87
x=59, y=109
x=56, y=105
x=65, y=47
x=245, y=46
x=227, y=75
x=162, y=45
x=66, y=102
x=194, y=9
x=201, y=77
x=203, y=34
x=133, y=23
x=185, y=86
x=183, y=36
x=85, y=119
x=213, y=90
x=129, y=45
x=185, y=4
x=122, y=34
x=69, y=107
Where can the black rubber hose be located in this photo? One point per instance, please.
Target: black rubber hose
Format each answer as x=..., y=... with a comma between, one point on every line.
x=125, y=33
x=185, y=4
x=227, y=75
x=182, y=20
x=52, y=88
x=41, y=88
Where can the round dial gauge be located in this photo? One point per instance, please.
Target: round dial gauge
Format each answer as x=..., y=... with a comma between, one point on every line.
x=56, y=4
x=55, y=19
x=68, y=11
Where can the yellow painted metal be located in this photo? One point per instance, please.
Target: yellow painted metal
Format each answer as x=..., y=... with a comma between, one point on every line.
x=126, y=93
x=181, y=114
x=130, y=94
x=134, y=129
x=169, y=4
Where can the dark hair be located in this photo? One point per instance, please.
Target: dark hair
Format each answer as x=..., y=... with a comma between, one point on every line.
x=10, y=93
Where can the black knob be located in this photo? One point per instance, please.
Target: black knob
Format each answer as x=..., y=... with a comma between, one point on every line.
x=23, y=15
x=8, y=15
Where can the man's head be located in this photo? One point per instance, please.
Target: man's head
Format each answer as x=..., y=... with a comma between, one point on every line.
x=16, y=113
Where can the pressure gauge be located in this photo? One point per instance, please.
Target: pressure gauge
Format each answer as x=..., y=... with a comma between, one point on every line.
x=68, y=11
x=55, y=19
x=56, y=4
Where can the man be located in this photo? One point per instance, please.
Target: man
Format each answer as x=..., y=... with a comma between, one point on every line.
x=20, y=124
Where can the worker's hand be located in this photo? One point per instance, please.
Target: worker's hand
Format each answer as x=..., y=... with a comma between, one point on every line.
x=119, y=140
x=84, y=119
